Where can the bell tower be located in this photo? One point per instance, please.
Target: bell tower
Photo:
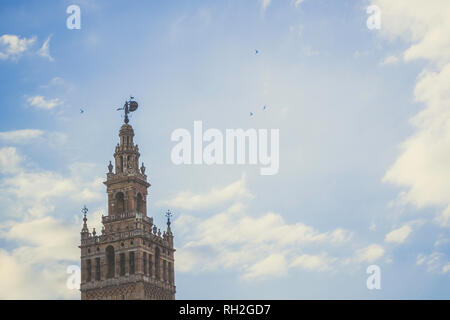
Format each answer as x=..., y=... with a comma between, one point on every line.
x=127, y=186
x=131, y=258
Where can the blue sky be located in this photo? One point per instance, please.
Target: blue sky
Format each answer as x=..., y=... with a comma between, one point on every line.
x=363, y=141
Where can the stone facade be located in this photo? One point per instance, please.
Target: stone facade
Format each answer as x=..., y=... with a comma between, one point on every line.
x=131, y=258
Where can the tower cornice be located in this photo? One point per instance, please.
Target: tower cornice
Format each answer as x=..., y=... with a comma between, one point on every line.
x=118, y=179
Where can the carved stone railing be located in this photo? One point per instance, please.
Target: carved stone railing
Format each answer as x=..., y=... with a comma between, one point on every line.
x=125, y=215
x=122, y=235
x=120, y=175
x=127, y=279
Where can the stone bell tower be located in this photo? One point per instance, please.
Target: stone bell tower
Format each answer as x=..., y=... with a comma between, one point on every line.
x=131, y=258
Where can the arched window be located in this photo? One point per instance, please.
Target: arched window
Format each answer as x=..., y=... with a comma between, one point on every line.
x=120, y=203
x=97, y=269
x=110, y=261
x=157, y=271
x=150, y=265
x=170, y=273
x=131, y=262
x=164, y=275
x=88, y=270
x=122, y=264
x=145, y=263
x=139, y=203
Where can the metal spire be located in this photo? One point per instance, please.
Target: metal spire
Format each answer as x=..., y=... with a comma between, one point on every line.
x=168, y=215
x=84, y=210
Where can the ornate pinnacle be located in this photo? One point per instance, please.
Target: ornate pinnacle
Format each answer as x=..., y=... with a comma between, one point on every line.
x=84, y=210
x=168, y=215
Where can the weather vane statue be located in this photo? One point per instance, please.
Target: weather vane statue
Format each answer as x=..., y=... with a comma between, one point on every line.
x=128, y=107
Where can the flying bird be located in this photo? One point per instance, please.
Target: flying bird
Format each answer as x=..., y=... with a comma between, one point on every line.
x=264, y=108
x=256, y=51
x=81, y=111
x=251, y=114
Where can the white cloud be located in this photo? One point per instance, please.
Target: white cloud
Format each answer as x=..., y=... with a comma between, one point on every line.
x=274, y=265
x=20, y=136
x=41, y=102
x=45, y=239
x=340, y=235
x=234, y=240
x=441, y=241
x=44, y=51
x=44, y=244
x=185, y=260
x=27, y=136
x=313, y=262
x=425, y=27
x=12, y=46
x=265, y=4
x=398, y=235
x=444, y=218
x=298, y=3
x=423, y=166
x=19, y=281
x=56, y=81
x=446, y=268
x=389, y=60
x=37, y=189
x=190, y=201
x=234, y=227
x=33, y=136
x=370, y=253
x=433, y=262
x=10, y=161
x=43, y=187
x=254, y=246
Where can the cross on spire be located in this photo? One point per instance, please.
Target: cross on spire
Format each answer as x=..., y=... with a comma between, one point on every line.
x=84, y=210
x=168, y=215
